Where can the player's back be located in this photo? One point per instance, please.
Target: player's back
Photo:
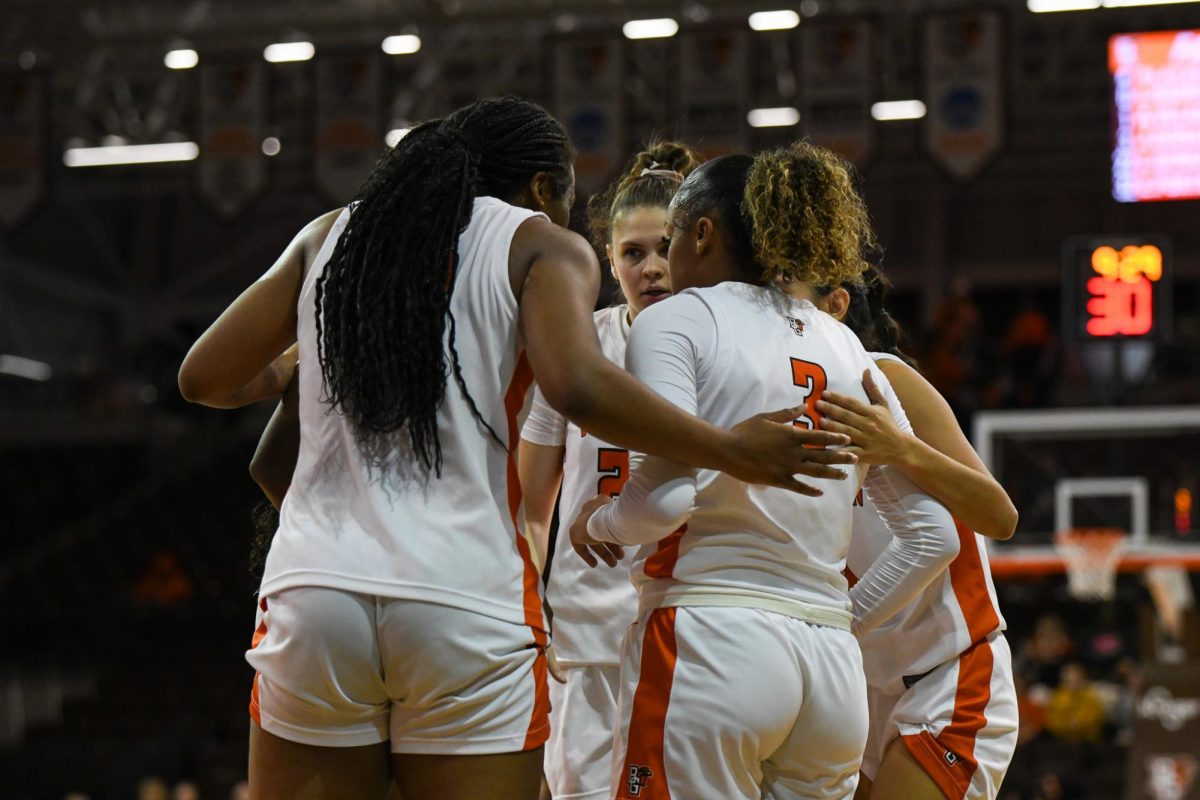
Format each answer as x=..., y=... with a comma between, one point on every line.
x=395, y=530
x=767, y=352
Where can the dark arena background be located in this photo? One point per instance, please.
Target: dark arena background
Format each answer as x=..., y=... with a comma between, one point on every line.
x=1032, y=170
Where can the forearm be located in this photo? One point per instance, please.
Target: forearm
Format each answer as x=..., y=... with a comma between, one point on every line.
x=608, y=402
x=654, y=503
x=974, y=498
x=924, y=542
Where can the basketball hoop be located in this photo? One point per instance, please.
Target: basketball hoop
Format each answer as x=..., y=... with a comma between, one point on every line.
x=1091, y=556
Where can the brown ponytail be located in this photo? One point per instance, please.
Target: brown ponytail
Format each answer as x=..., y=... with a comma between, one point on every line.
x=650, y=181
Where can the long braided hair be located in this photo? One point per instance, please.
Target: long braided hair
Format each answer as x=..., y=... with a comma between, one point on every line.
x=383, y=302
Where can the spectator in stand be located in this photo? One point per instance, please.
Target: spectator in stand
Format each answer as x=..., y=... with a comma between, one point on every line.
x=240, y=791
x=952, y=350
x=1075, y=712
x=1028, y=359
x=1030, y=711
x=185, y=790
x=163, y=583
x=153, y=788
x=1045, y=652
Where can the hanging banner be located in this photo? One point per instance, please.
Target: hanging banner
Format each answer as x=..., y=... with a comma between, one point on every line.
x=836, y=86
x=232, y=168
x=964, y=66
x=22, y=131
x=713, y=79
x=588, y=99
x=349, y=139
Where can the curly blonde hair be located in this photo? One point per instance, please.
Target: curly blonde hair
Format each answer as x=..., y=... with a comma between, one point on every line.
x=807, y=222
x=633, y=189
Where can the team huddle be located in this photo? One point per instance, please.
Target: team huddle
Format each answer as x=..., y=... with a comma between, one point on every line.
x=768, y=577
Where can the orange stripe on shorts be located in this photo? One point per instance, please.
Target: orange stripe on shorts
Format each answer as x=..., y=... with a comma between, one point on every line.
x=949, y=759
x=644, y=776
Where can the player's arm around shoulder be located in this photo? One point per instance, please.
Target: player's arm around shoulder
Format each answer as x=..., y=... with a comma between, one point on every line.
x=233, y=363
x=943, y=457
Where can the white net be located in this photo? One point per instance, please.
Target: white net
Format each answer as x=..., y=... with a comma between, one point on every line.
x=1091, y=556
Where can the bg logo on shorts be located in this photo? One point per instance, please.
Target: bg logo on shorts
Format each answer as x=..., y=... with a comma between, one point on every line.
x=638, y=778
x=951, y=759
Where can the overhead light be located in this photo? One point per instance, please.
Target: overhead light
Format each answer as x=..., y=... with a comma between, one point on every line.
x=772, y=117
x=281, y=52
x=1049, y=6
x=403, y=45
x=774, y=20
x=394, y=136
x=181, y=59
x=130, y=154
x=893, y=110
x=271, y=146
x=650, y=28
x=1128, y=3
x=25, y=368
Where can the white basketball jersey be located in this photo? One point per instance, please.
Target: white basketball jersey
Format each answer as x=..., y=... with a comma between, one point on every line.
x=592, y=607
x=958, y=609
x=398, y=532
x=726, y=353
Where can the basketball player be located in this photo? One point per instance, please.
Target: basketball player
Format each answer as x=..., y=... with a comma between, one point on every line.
x=593, y=608
x=741, y=678
x=400, y=625
x=940, y=690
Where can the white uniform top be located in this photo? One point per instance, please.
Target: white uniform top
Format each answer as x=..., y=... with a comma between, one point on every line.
x=726, y=353
x=592, y=607
x=957, y=609
x=451, y=540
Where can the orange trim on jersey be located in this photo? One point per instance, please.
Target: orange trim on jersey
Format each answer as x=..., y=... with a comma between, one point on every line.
x=514, y=401
x=539, y=723
x=970, y=586
x=260, y=633
x=661, y=564
x=949, y=758
x=851, y=578
x=644, y=775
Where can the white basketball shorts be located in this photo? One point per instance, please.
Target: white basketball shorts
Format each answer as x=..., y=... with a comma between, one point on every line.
x=340, y=669
x=583, y=716
x=738, y=703
x=959, y=722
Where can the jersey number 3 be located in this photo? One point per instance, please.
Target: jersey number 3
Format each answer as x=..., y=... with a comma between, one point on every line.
x=613, y=466
x=811, y=378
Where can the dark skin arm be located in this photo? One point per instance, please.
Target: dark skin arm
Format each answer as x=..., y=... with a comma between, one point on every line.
x=275, y=457
x=556, y=279
x=241, y=358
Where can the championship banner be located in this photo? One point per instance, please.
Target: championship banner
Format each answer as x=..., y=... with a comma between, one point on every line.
x=233, y=110
x=713, y=79
x=349, y=138
x=588, y=98
x=836, y=87
x=964, y=68
x=1164, y=759
x=22, y=129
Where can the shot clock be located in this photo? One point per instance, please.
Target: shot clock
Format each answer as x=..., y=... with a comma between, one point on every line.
x=1117, y=288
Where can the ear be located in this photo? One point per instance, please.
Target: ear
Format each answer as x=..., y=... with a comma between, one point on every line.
x=541, y=190
x=612, y=265
x=705, y=235
x=837, y=303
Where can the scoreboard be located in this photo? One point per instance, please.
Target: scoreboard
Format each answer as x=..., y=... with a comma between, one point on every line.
x=1156, y=110
x=1117, y=288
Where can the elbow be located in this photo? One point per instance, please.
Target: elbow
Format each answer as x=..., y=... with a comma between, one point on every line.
x=192, y=386
x=1004, y=525
x=571, y=398
x=948, y=546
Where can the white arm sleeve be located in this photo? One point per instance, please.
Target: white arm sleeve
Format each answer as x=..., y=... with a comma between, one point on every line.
x=666, y=345
x=924, y=538
x=544, y=425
